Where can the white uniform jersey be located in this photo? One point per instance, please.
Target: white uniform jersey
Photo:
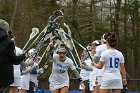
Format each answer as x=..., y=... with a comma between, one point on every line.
x=99, y=50
x=17, y=72
x=59, y=76
x=86, y=74
x=112, y=59
x=25, y=78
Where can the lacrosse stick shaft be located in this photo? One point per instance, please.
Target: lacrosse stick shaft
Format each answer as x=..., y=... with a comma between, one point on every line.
x=76, y=52
x=55, y=45
x=69, y=33
x=26, y=43
x=75, y=25
x=75, y=41
x=73, y=59
x=47, y=48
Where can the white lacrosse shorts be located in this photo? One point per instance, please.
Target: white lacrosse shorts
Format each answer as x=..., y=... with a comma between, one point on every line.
x=25, y=80
x=112, y=84
x=16, y=82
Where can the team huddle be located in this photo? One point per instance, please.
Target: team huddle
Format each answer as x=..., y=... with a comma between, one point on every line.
x=101, y=65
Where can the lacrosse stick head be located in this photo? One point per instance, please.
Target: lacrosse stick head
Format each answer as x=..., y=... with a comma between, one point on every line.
x=35, y=31
x=67, y=26
x=31, y=53
x=56, y=16
x=88, y=49
x=54, y=21
x=73, y=20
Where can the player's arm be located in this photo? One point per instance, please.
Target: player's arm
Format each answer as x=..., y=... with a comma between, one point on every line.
x=27, y=62
x=99, y=65
x=123, y=71
x=76, y=73
x=26, y=71
x=96, y=59
x=73, y=68
x=29, y=69
x=83, y=65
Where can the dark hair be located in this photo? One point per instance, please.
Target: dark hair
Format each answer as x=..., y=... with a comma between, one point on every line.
x=111, y=39
x=10, y=34
x=62, y=45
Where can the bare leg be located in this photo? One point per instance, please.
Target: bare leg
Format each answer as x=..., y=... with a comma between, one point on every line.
x=104, y=91
x=83, y=90
x=93, y=90
x=82, y=87
x=97, y=89
x=116, y=91
x=64, y=89
x=23, y=91
x=55, y=91
x=13, y=89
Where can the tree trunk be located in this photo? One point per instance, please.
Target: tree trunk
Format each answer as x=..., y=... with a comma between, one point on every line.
x=111, y=17
x=125, y=32
x=136, y=49
x=116, y=19
x=117, y=11
x=93, y=13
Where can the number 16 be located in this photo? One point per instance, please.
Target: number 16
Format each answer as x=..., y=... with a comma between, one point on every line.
x=116, y=62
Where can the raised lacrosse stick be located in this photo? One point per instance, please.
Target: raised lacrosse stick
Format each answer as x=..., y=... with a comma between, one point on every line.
x=47, y=49
x=69, y=33
x=35, y=31
x=73, y=39
x=52, y=24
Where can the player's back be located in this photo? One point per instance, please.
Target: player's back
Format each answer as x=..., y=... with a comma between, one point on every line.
x=112, y=59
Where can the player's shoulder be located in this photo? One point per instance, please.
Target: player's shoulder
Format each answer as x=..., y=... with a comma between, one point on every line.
x=105, y=52
x=100, y=47
x=55, y=56
x=69, y=60
x=18, y=49
x=119, y=52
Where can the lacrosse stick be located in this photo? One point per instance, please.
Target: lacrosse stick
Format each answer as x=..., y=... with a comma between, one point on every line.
x=73, y=58
x=53, y=23
x=46, y=63
x=35, y=31
x=74, y=40
x=69, y=33
x=35, y=40
x=47, y=48
x=72, y=19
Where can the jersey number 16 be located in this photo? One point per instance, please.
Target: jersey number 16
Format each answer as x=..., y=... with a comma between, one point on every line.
x=114, y=63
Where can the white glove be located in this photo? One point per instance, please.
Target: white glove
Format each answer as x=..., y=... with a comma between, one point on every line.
x=40, y=71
